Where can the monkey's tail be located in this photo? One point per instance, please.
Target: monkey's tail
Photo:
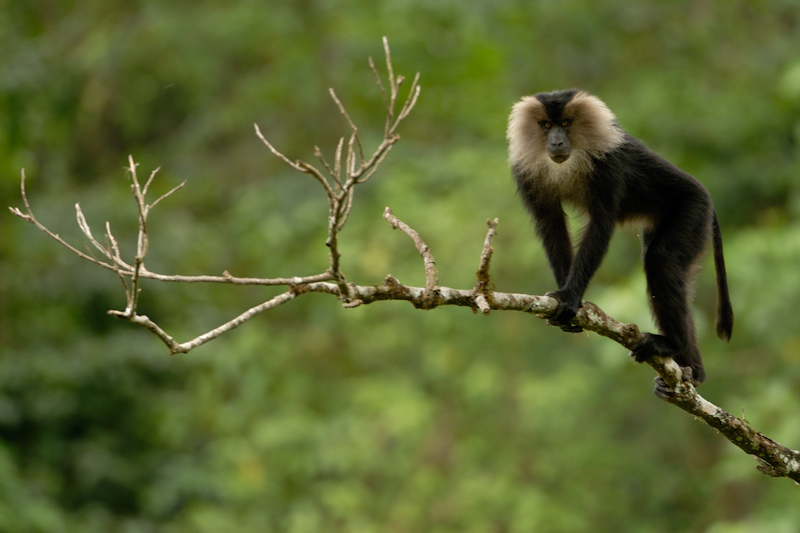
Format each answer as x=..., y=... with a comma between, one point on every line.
x=724, y=322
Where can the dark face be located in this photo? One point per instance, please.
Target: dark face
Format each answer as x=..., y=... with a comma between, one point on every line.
x=556, y=128
x=558, y=145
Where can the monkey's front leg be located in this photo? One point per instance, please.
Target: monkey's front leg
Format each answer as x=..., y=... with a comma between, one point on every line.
x=551, y=226
x=593, y=247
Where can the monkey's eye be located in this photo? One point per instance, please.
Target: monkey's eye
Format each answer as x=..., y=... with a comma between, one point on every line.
x=546, y=125
x=566, y=122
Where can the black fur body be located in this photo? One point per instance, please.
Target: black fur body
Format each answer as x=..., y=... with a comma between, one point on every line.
x=566, y=147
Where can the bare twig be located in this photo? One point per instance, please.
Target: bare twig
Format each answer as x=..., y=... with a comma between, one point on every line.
x=337, y=167
x=305, y=168
x=431, y=272
x=166, y=194
x=228, y=279
x=410, y=103
x=142, y=242
x=380, y=86
x=29, y=217
x=318, y=155
x=354, y=139
x=176, y=347
x=483, y=287
x=87, y=231
x=150, y=180
x=487, y=251
x=114, y=246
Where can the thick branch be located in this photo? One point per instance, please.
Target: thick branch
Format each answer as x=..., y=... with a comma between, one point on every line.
x=775, y=459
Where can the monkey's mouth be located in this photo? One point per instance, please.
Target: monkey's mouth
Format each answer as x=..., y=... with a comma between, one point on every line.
x=559, y=158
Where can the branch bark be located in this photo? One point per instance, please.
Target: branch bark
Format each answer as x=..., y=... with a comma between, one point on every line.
x=352, y=167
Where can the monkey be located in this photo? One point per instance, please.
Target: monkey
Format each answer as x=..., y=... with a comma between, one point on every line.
x=566, y=147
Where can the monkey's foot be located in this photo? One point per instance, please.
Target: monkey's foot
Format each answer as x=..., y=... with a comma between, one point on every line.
x=664, y=391
x=651, y=345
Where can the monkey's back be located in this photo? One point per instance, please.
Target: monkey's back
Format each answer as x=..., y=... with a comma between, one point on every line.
x=647, y=185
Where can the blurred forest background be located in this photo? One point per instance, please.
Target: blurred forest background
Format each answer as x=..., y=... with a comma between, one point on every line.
x=314, y=418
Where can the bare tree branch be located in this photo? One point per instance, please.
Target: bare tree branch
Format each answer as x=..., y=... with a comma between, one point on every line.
x=28, y=216
x=350, y=168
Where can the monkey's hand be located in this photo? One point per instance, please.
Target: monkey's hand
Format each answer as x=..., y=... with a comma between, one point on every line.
x=565, y=312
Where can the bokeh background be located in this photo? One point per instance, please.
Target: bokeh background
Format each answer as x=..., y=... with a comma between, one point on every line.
x=314, y=418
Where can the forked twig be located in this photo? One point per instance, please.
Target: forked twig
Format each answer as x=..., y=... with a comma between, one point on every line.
x=431, y=272
x=28, y=216
x=354, y=139
x=298, y=165
x=350, y=167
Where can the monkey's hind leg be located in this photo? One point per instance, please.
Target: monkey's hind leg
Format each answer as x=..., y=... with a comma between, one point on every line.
x=669, y=272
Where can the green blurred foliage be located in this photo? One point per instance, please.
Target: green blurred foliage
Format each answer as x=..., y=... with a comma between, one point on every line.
x=381, y=418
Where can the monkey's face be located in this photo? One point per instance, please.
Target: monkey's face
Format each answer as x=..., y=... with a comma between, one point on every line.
x=547, y=130
x=559, y=146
